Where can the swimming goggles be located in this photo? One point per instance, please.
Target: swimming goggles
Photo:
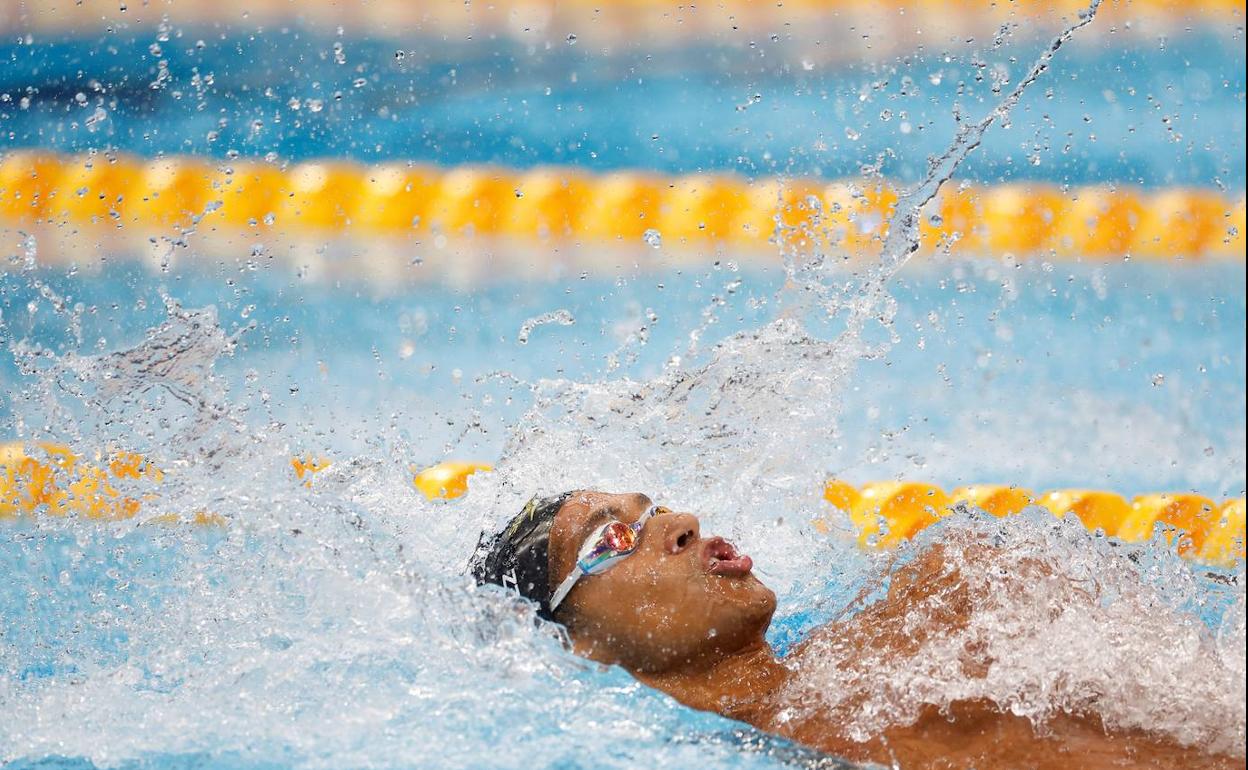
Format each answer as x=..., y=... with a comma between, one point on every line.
x=603, y=550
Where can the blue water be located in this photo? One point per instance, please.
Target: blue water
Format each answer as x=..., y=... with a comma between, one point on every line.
x=283, y=641
x=1123, y=376
x=1162, y=112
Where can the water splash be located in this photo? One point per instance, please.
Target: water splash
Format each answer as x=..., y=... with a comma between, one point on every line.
x=1061, y=623
x=722, y=433
x=331, y=625
x=561, y=317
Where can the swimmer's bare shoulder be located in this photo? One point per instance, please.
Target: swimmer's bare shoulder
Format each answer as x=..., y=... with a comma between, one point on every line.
x=929, y=597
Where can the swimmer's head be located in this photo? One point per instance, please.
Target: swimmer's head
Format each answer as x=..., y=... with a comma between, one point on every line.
x=676, y=599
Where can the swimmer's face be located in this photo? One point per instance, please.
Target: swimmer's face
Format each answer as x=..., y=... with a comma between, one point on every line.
x=677, y=599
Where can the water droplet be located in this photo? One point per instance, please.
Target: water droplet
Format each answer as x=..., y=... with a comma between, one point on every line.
x=561, y=317
x=653, y=238
x=571, y=39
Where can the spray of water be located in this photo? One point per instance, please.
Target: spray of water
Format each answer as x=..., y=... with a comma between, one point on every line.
x=331, y=625
x=735, y=433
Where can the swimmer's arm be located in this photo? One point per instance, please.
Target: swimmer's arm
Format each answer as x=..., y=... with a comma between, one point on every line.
x=928, y=594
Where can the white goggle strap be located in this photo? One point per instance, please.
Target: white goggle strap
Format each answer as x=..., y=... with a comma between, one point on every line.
x=565, y=587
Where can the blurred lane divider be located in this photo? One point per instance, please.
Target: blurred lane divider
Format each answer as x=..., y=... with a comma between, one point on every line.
x=445, y=481
x=565, y=204
x=1202, y=529
x=830, y=30
x=52, y=480
x=55, y=482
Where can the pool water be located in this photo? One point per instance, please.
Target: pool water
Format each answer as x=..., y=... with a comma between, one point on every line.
x=328, y=623
x=332, y=626
x=1126, y=376
x=1159, y=111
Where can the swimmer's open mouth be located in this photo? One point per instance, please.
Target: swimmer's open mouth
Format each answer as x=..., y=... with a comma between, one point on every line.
x=719, y=557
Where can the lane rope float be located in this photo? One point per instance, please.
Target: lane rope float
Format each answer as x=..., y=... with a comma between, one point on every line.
x=1202, y=529
x=565, y=204
x=53, y=481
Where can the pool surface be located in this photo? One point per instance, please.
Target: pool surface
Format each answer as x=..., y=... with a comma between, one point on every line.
x=325, y=621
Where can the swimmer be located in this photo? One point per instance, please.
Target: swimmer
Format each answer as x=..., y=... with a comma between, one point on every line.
x=638, y=585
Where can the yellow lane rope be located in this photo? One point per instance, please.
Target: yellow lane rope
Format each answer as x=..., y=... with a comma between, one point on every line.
x=837, y=24
x=53, y=481
x=568, y=205
x=1208, y=531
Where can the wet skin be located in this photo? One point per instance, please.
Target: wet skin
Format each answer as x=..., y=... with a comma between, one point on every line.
x=685, y=614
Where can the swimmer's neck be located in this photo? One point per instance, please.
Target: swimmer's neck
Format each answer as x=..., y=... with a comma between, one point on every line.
x=737, y=684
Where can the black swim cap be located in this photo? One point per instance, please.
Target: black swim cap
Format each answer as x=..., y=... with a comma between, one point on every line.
x=519, y=557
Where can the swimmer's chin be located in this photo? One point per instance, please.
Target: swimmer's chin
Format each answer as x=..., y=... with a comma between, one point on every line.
x=747, y=592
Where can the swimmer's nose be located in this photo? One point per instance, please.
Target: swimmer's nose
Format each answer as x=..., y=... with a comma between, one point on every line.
x=680, y=531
